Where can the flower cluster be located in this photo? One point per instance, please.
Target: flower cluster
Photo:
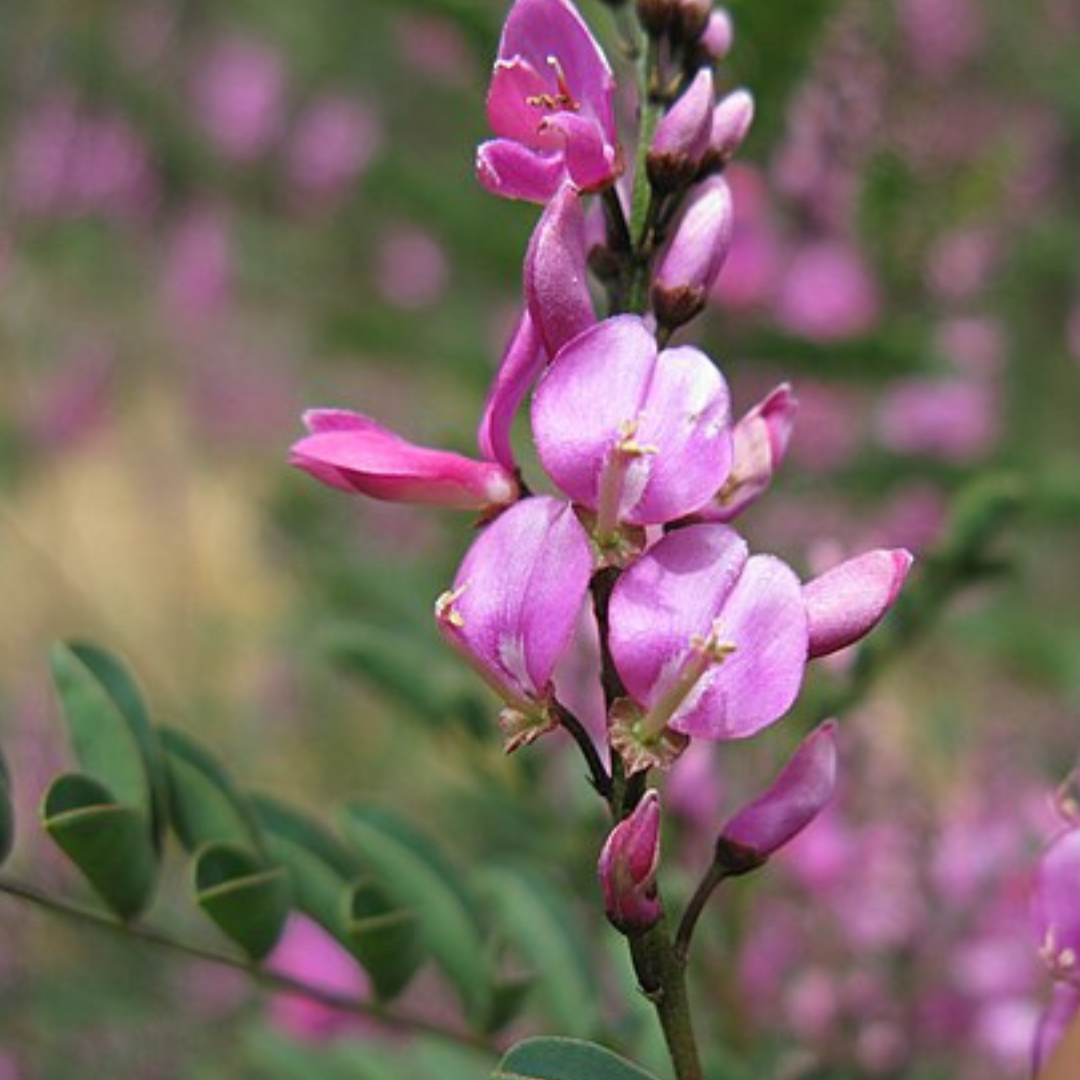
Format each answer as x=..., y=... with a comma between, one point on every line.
x=645, y=466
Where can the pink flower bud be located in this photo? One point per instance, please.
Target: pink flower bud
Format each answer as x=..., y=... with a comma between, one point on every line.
x=627, y=869
x=692, y=19
x=718, y=37
x=731, y=120
x=691, y=261
x=785, y=808
x=556, y=284
x=761, y=438
x=682, y=136
x=351, y=452
x=845, y=603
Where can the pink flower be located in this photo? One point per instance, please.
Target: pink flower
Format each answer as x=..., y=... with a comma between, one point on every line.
x=709, y=641
x=953, y=419
x=333, y=142
x=411, y=271
x=308, y=953
x=627, y=868
x=239, y=92
x=515, y=604
x=197, y=273
x=353, y=453
x=683, y=136
x=786, y=807
x=754, y=262
x=828, y=293
x=1056, y=907
x=550, y=105
x=637, y=436
x=1057, y=1018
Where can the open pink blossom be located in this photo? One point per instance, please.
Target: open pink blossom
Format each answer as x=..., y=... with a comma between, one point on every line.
x=351, y=452
x=638, y=436
x=708, y=640
x=550, y=106
x=515, y=604
x=801, y=791
x=1056, y=907
x=627, y=868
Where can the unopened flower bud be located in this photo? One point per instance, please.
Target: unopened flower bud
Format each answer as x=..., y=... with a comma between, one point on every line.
x=785, y=808
x=692, y=20
x=845, y=603
x=682, y=137
x=761, y=438
x=731, y=120
x=627, y=869
x=718, y=36
x=656, y=16
x=691, y=261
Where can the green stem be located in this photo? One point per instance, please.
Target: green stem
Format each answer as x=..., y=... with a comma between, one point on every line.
x=662, y=978
x=705, y=889
x=269, y=980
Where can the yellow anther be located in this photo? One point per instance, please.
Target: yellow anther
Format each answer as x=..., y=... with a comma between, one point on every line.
x=628, y=444
x=445, y=611
x=711, y=648
x=563, y=99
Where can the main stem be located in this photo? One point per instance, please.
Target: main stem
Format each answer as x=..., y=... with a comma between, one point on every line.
x=662, y=977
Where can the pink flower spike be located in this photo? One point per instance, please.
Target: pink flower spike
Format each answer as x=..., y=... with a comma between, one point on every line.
x=556, y=285
x=522, y=362
x=550, y=105
x=708, y=641
x=515, y=604
x=761, y=439
x=689, y=264
x=1056, y=907
x=353, y=453
x=627, y=869
x=682, y=136
x=845, y=603
x=639, y=437
x=801, y=791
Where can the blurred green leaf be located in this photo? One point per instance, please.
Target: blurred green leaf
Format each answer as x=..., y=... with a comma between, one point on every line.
x=543, y=929
x=384, y=938
x=104, y=741
x=509, y=997
x=247, y=899
x=121, y=687
x=204, y=802
x=387, y=938
x=107, y=840
x=418, y=876
x=565, y=1059
x=7, y=812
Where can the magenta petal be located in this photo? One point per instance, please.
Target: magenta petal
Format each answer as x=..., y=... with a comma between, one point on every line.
x=609, y=382
x=514, y=171
x=521, y=364
x=518, y=594
x=556, y=284
x=686, y=417
x=591, y=162
x=513, y=82
x=847, y=602
x=792, y=801
x=1062, y=1009
x=670, y=595
x=628, y=865
x=765, y=621
x=353, y=453
x=594, y=385
x=1056, y=905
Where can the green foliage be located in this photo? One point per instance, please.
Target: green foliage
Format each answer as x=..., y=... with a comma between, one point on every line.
x=418, y=876
x=108, y=841
x=565, y=1059
x=385, y=937
x=248, y=900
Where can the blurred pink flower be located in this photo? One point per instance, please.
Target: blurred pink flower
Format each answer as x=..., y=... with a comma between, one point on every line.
x=412, y=270
x=73, y=401
x=975, y=343
x=196, y=276
x=332, y=144
x=828, y=293
x=753, y=264
x=308, y=953
x=436, y=48
x=238, y=95
x=942, y=34
x=960, y=263
x=954, y=419
x=830, y=428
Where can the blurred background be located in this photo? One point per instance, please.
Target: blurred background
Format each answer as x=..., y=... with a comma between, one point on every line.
x=213, y=215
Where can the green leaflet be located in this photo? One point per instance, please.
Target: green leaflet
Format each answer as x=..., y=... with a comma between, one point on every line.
x=565, y=1059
